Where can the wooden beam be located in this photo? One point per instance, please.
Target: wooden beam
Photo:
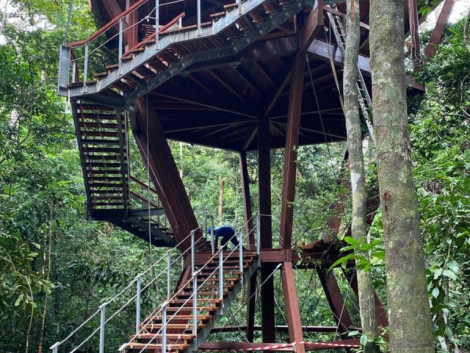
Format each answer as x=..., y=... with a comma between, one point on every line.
x=163, y=172
x=250, y=308
x=200, y=84
x=292, y=307
x=243, y=346
x=225, y=104
x=292, y=144
x=335, y=300
x=264, y=186
x=263, y=73
x=226, y=85
x=312, y=25
x=436, y=35
x=273, y=95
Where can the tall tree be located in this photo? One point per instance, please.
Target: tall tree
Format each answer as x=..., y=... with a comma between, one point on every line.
x=356, y=161
x=409, y=314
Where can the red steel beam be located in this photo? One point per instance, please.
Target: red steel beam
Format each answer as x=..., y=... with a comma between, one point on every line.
x=251, y=300
x=414, y=30
x=164, y=173
x=313, y=23
x=436, y=35
x=335, y=300
x=264, y=186
x=294, y=322
x=292, y=144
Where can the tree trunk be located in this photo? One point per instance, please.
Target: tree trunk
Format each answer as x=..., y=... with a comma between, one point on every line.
x=356, y=166
x=220, y=211
x=408, y=306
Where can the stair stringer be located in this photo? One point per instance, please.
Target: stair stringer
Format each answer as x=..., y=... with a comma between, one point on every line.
x=204, y=332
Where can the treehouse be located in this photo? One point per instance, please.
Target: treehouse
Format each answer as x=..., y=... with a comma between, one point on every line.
x=250, y=75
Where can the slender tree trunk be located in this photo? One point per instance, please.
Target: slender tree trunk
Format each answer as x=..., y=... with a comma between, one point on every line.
x=465, y=31
x=220, y=211
x=356, y=166
x=408, y=306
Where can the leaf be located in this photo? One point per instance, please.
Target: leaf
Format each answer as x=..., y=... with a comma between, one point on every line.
x=435, y=292
x=450, y=274
x=363, y=340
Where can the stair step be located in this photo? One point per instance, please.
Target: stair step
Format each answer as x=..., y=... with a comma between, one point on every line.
x=183, y=310
x=102, y=158
x=174, y=336
x=92, y=133
x=86, y=141
x=93, y=178
x=102, y=150
x=181, y=317
x=99, y=126
x=105, y=185
x=190, y=301
x=151, y=346
x=151, y=327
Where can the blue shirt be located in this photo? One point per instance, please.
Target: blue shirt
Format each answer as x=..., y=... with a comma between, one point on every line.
x=224, y=231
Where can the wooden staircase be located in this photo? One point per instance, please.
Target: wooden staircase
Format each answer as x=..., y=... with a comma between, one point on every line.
x=102, y=136
x=148, y=65
x=180, y=334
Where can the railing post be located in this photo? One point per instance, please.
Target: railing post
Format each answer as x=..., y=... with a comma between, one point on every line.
x=205, y=225
x=85, y=68
x=221, y=278
x=164, y=323
x=120, y=47
x=102, y=326
x=157, y=24
x=74, y=71
x=55, y=347
x=240, y=255
x=212, y=236
x=138, y=303
x=195, y=304
x=199, y=32
x=193, y=265
x=240, y=11
x=168, y=274
x=64, y=67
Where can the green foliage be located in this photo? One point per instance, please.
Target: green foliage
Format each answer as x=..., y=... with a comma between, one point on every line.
x=441, y=153
x=363, y=253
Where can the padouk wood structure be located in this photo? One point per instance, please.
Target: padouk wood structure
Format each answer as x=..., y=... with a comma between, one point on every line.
x=247, y=76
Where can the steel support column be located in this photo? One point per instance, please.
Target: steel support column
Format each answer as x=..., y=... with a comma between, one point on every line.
x=294, y=322
x=264, y=179
x=436, y=35
x=163, y=172
x=414, y=31
x=292, y=144
x=335, y=300
x=251, y=301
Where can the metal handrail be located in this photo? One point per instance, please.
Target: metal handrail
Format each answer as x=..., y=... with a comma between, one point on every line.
x=193, y=278
x=102, y=308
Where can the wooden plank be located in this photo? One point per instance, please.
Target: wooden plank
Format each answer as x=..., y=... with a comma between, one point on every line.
x=292, y=144
x=294, y=322
x=436, y=35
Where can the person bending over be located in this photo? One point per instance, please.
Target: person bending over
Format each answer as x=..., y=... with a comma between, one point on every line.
x=226, y=233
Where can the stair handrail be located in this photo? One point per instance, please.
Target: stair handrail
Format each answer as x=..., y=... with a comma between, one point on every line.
x=193, y=278
x=136, y=280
